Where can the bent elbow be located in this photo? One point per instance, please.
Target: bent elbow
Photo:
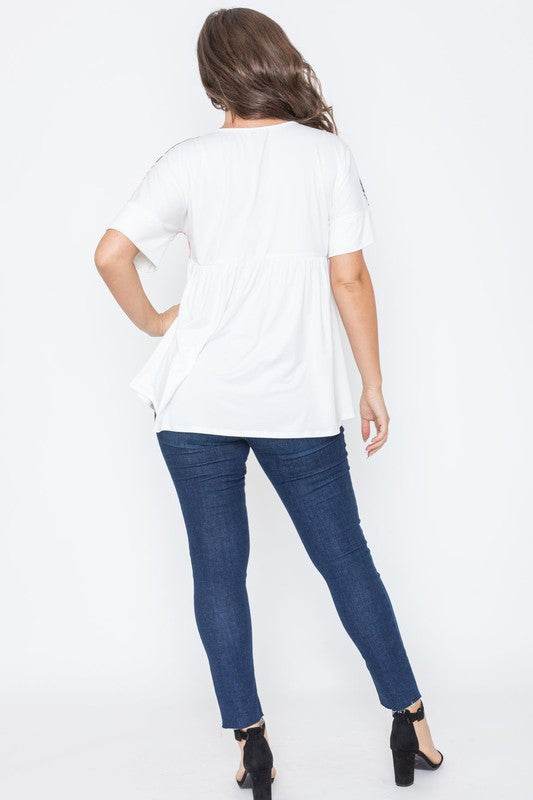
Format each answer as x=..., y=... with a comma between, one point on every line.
x=100, y=263
x=114, y=251
x=103, y=258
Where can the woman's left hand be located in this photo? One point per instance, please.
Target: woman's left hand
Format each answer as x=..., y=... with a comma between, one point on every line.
x=165, y=320
x=372, y=408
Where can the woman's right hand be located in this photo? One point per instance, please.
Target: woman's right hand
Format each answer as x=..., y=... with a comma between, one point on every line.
x=373, y=409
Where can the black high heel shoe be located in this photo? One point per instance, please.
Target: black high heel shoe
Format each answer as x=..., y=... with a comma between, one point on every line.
x=257, y=760
x=406, y=753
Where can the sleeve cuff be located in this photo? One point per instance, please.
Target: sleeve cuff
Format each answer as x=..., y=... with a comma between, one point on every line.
x=147, y=234
x=350, y=232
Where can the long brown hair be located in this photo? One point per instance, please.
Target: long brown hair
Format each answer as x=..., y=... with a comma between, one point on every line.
x=249, y=66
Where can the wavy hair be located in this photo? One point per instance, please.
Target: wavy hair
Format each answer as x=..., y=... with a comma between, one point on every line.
x=248, y=66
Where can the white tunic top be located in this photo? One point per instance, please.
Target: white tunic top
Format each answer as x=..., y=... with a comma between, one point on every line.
x=256, y=348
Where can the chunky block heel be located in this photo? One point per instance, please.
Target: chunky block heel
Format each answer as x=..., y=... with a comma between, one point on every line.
x=406, y=753
x=257, y=760
x=404, y=767
x=262, y=784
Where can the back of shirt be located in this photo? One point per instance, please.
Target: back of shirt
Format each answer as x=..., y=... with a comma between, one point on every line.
x=255, y=349
x=249, y=192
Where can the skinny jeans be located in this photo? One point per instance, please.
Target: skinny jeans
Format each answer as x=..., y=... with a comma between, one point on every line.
x=311, y=475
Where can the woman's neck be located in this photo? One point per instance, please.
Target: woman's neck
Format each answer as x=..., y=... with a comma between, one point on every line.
x=241, y=122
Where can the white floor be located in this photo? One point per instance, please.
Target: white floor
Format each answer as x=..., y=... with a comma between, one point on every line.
x=321, y=750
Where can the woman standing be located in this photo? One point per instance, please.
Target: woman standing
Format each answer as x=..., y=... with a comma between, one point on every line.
x=276, y=218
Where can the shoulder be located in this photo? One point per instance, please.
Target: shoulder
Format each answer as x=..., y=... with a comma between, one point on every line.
x=340, y=149
x=193, y=152
x=330, y=149
x=178, y=151
x=180, y=160
x=330, y=145
x=320, y=136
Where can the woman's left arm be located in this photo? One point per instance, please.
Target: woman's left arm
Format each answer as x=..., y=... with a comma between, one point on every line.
x=114, y=261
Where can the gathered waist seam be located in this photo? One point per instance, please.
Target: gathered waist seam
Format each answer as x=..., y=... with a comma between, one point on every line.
x=244, y=260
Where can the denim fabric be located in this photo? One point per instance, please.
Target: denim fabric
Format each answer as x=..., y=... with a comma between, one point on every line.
x=312, y=477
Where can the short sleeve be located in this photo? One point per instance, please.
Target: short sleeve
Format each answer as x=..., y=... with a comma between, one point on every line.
x=156, y=211
x=350, y=222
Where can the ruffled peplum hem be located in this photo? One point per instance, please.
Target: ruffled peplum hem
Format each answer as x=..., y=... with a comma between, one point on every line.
x=207, y=291
x=267, y=330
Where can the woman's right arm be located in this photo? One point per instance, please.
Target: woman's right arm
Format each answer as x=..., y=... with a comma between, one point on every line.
x=354, y=295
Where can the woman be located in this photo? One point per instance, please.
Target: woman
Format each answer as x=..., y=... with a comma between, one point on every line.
x=276, y=218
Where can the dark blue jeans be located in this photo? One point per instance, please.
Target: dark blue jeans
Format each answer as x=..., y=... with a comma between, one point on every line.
x=312, y=477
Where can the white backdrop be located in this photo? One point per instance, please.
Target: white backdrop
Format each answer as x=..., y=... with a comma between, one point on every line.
x=104, y=684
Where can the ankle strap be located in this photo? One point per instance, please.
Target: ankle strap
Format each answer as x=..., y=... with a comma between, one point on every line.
x=411, y=715
x=257, y=730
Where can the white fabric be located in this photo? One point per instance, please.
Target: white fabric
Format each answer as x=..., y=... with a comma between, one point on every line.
x=256, y=347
